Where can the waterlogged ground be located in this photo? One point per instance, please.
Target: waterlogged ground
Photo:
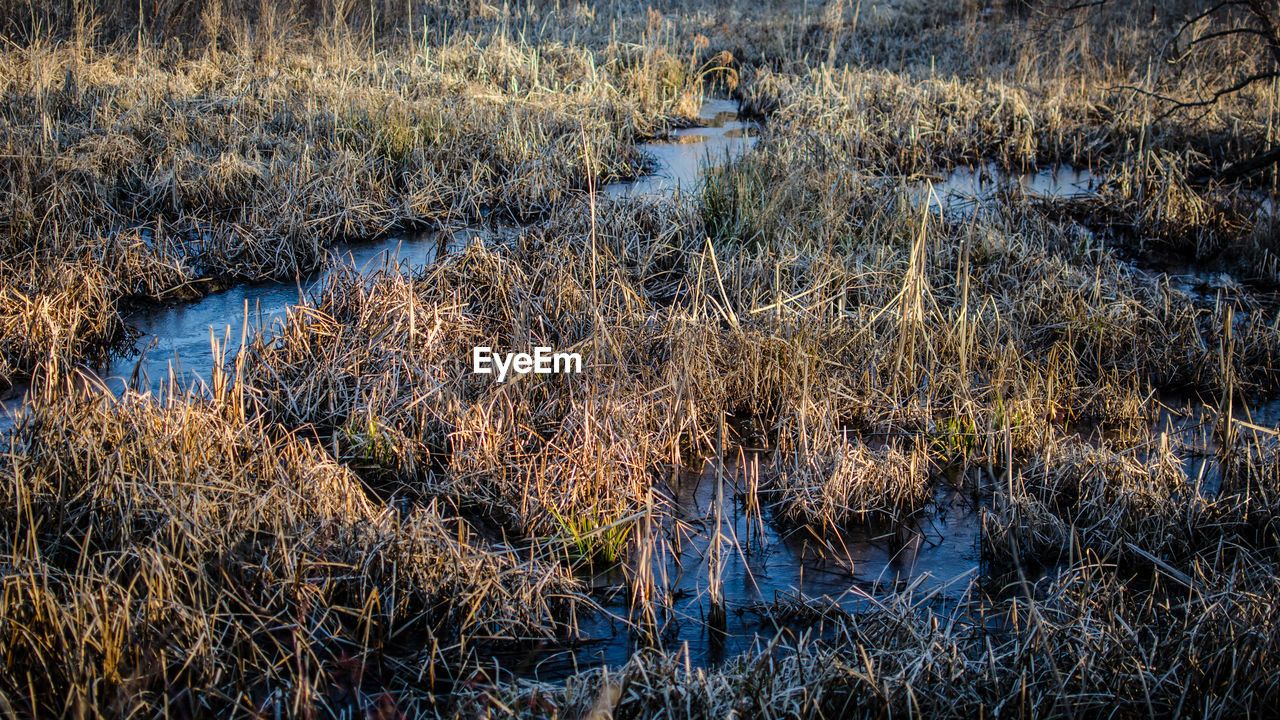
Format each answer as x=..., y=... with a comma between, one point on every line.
x=177, y=338
x=765, y=567
x=778, y=582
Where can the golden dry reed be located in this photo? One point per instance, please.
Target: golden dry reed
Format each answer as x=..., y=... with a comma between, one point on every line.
x=346, y=521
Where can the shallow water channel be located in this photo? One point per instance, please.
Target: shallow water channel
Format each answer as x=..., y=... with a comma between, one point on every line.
x=681, y=156
x=177, y=338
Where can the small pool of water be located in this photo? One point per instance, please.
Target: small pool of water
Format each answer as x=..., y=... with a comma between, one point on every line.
x=682, y=157
x=177, y=339
x=773, y=580
x=969, y=187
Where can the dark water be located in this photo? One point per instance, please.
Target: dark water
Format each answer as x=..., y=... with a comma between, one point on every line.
x=765, y=572
x=177, y=340
x=969, y=187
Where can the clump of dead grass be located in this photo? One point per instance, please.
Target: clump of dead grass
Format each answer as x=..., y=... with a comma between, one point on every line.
x=830, y=480
x=183, y=555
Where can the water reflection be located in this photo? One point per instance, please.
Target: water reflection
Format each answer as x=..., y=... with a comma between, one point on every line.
x=682, y=158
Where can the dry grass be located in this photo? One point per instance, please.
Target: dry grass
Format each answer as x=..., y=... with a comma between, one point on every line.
x=183, y=556
x=344, y=523
x=249, y=161
x=827, y=479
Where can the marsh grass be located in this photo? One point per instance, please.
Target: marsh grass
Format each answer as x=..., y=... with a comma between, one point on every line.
x=833, y=480
x=247, y=162
x=184, y=555
x=364, y=389
x=809, y=342
x=346, y=521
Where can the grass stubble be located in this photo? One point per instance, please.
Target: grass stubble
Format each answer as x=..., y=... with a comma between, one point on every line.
x=346, y=521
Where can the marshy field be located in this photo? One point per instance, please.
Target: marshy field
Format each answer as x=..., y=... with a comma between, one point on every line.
x=930, y=359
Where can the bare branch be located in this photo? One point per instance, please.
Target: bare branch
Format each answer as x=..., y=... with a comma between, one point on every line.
x=1239, y=85
x=1226, y=33
x=1205, y=102
x=1252, y=18
x=1266, y=19
x=1077, y=7
x=1083, y=5
x=1204, y=14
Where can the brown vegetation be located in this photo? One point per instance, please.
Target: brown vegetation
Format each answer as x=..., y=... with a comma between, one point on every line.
x=349, y=520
